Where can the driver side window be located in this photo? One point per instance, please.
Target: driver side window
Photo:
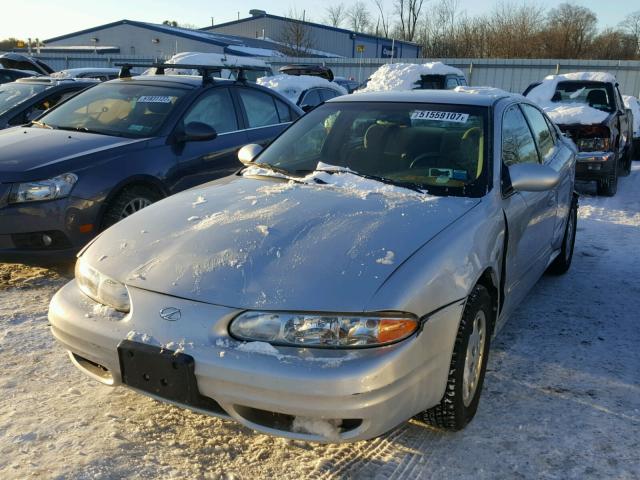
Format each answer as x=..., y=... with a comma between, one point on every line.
x=518, y=145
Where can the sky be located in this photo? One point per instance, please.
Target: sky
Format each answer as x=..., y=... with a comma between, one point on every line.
x=45, y=18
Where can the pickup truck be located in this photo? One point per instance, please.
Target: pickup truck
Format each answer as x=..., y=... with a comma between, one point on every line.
x=589, y=109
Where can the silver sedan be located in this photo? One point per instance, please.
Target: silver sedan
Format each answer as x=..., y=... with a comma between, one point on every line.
x=349, y=277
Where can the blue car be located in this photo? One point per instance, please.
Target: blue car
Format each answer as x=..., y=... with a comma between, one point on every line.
x=119, y=146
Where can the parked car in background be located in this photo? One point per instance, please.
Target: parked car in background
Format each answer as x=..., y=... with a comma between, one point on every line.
x=350, y=278
x=311, y=70
x=633, y=104
x=28, y=98
x=348, y=83
x=102, y=74
x=18, y=61
x=305, y=91
x=414, y=76
x=118, y=147
x=588, y=107
x=9, y=75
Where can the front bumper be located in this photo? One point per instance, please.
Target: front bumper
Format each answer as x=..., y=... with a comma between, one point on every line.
x=370, y=390
x=595, y=165
x=22, y=227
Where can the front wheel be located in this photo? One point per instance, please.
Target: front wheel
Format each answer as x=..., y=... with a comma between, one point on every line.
x=129, y=201
x=608, y=186
x=563, y=261
x=468, y=365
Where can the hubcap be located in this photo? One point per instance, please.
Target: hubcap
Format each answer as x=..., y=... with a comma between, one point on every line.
x=474, y=357
x=134, y=206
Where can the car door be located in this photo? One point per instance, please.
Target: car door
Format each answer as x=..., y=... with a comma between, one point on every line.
x=530, y=216
x=555, y=154
x=201, y=161
x=264, y=114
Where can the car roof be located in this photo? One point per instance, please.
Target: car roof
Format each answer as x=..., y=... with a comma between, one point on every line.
x=188, y=80
x=479, y=97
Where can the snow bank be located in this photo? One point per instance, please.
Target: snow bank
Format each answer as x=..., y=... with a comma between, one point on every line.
x=631, y=102
x=291, y=86
x=403, y=76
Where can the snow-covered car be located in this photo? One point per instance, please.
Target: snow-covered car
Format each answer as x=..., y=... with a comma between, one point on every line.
x=349, y=278
x=227, y=65
x=414, y=76
x=588, y=107
x=632, y=103
x=102, y=74
x=306, y=91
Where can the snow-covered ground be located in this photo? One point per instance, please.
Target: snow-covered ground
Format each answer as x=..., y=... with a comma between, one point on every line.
x=561, y=398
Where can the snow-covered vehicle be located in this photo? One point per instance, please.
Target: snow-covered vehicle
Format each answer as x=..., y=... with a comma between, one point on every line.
x=306, y=91
x=414, y=76
x=228, y=65
x=633, y=104
x=588, y=107
x=99, y=73
x=350, y=277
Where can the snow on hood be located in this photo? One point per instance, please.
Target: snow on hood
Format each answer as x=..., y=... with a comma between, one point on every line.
x=270, y=243
x=291, y=86
x=631, y=103
x=403, y=76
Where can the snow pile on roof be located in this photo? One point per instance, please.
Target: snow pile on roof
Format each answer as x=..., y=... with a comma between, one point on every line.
x=569, y=113
x=403, y=76
x=210, y=60
x=291, y=86
x=631, y=102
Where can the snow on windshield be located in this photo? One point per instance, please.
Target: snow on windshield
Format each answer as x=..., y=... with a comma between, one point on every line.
x=403, y=76
x=291, y=86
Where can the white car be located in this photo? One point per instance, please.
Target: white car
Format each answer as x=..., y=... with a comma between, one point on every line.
x=306, y=91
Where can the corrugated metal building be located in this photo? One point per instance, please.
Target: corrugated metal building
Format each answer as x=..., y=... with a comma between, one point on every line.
x=130, y=37
x=323, y=38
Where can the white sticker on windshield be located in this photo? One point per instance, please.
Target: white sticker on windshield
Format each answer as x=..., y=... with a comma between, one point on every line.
x=441, y=116
x=154, y=99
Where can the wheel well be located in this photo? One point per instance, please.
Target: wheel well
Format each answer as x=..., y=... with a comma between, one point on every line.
x=138, y=182
x=489, y=280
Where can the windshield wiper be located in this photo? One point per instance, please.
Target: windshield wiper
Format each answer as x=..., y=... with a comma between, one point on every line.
x=411, y=186
x=40, y=124
x=273, y=168
x=88, y=130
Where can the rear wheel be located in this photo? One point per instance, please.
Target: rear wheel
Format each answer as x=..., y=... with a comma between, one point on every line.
x=468, y=365
x=608, y=186
x=129, y=201
x=563, y=261
x=626, y=161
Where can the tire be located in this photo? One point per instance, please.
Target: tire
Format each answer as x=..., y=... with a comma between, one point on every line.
x=457, y=407
x=609, y=186
x=562, y=262
x=127, y=202
x=627, y=159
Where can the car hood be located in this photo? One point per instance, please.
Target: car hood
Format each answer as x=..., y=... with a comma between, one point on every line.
x=271, y=244
x=33, y=153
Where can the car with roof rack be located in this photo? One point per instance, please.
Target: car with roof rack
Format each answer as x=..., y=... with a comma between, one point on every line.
x=120, y=146
x=29, y=97
x=350, y=278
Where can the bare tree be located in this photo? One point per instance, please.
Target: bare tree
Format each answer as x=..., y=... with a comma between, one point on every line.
x=296, y=35
x=335, y=14
x=611, y=44
x=383, y=18
x=631, y=25
x=408, y=12
x=359, y=17
x=570, y=29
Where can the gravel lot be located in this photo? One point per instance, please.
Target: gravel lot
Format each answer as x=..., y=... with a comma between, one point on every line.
x=561, y=398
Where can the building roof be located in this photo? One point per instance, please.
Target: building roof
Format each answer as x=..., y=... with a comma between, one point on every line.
x=311, y=24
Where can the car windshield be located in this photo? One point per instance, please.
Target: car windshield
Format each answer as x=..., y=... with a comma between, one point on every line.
x=438, y=148
x=11, y=94
x=595, y=94
x=119, y=109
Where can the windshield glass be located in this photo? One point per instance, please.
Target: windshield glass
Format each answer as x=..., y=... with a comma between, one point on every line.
x=595, y=94
x=120, y=109
x=438, y=148
x=11, y=94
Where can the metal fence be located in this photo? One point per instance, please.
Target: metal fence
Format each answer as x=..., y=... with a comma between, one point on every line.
x=513, y=75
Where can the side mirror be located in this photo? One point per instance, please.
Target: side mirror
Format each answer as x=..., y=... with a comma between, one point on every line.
x=532, y=177
x=198, y=132
x=248, y=153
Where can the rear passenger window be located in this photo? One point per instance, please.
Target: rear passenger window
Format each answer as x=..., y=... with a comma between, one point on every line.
x=214, y=108
x=283, y=111
x=517, y=142
x=260, y=108
x=541, y=132
x=311, y=98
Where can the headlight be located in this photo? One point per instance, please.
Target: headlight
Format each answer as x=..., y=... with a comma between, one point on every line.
x=595, y=144
x=322, y=329
x=101, y=288
x=51, y=189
